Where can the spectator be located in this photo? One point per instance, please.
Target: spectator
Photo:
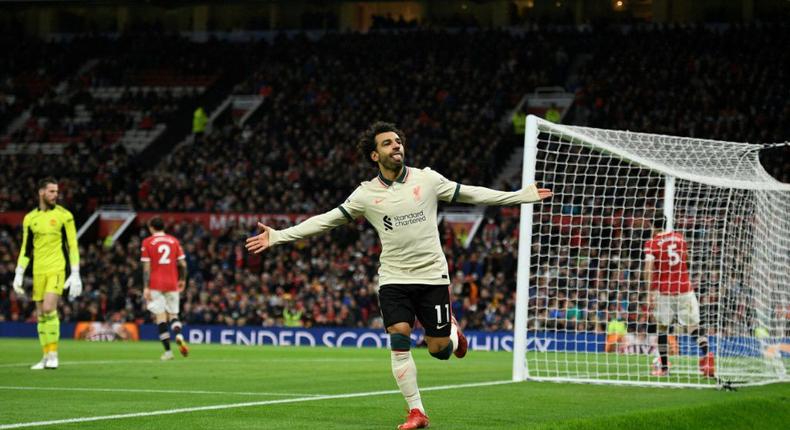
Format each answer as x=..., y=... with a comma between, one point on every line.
x=615, y=334
x=199, y=122
x=553, y=114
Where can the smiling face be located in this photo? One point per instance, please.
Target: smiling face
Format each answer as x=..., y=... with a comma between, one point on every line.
x=389, y=152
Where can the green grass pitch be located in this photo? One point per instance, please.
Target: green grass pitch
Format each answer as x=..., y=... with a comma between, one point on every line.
x=237, y=387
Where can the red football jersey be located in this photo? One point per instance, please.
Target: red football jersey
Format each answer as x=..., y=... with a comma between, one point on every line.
x=163, y=251
x=670, y=263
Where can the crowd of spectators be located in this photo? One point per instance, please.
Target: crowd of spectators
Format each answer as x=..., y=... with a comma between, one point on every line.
x=31, y=68
x=331, y=280
x=157, y=58
x=99, y=167
x=143, y=66
x=85, y=114
x=324, y=96
x=712, y=82
x=302, y=150
x=94, y=167
x=447, y=91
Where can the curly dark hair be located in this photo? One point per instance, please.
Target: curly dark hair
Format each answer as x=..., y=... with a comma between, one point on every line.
x=367, y=139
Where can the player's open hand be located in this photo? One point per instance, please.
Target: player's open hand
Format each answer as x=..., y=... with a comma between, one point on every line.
x=544, y=193
x=533, y=194
x=257, y=244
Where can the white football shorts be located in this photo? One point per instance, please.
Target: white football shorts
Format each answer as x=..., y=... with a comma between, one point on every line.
x=685, y=306
x=163, y=301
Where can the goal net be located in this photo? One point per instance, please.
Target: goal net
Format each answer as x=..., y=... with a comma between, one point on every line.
x=582, y=311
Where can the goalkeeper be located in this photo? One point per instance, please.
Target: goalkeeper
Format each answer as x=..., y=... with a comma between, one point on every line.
x=43, y=232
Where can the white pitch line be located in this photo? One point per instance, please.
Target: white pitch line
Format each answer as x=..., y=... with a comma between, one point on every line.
x=240, y=405
x=146, y=361
x=72, y=363
x=142, y=390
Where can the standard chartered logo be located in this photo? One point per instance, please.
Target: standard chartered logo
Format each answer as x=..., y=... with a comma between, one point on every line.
x=404, y=220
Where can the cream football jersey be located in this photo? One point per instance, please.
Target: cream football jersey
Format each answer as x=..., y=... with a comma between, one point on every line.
x=403, y=212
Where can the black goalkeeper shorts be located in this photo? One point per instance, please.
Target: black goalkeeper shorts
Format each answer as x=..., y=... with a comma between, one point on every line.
x=429, y=303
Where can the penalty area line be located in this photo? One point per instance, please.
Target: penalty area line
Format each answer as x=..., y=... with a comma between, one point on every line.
x=241, y=405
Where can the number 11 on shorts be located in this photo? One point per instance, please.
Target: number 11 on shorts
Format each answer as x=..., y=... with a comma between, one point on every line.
x=439, y=313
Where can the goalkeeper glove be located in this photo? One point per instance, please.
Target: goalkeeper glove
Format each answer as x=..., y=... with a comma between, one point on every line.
x=74, y=283
x=19, y=280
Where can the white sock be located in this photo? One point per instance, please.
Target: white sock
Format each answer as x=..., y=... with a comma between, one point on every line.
x=454, y=336
x=405, y=372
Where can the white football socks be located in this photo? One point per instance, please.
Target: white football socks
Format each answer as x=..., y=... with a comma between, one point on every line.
x=405, y=372
x=454, y=336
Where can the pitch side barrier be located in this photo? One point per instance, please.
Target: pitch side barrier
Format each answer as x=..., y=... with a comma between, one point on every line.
x=549, y=341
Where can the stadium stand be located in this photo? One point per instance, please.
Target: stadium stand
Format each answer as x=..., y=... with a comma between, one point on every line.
x=713, y=82
x=32, y=69
x=447, y=91
x=332, y=281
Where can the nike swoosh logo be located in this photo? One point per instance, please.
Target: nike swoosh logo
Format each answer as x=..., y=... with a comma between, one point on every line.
x=439, y=327
x=377, y=201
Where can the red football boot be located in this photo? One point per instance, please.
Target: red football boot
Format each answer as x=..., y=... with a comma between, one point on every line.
x=460, y=352
x=707, y=365
x=415, y=420
x=182, y=346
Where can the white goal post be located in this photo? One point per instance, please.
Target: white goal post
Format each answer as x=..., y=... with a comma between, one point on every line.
x=581, y=258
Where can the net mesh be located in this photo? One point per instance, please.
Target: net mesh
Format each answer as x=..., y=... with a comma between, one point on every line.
x=588, y=313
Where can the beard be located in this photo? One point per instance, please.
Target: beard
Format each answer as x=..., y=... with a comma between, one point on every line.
x=391, y=164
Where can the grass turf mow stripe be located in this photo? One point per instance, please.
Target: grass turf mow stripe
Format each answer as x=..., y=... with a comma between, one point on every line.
x=135, y=390
x=240, y=405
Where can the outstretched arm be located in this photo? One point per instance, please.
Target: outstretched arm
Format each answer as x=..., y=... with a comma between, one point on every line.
x=451, y=191
x=486, y=196
x=310, y=227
